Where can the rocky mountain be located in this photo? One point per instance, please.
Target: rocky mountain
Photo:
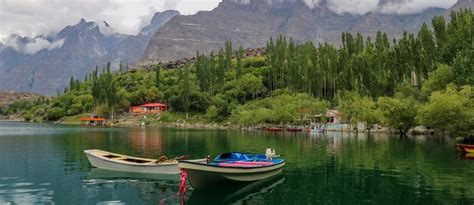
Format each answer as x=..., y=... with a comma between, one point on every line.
x=252, y=22
x=44, y=64
x=7, y=98
x=469, y=4
x=132, y=48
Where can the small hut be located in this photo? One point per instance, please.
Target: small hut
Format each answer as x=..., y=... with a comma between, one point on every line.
x=93, y=120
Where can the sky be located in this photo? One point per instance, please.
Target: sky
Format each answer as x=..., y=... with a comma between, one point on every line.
x=42, y=17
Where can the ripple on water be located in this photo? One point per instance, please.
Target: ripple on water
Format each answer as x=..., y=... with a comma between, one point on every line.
x=27, y=129
x=110, y=202
x=16, y=191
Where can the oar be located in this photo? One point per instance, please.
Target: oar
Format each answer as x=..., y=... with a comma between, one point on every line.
x=182, y=157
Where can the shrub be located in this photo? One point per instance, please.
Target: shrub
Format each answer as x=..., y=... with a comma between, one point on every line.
x=55, y=114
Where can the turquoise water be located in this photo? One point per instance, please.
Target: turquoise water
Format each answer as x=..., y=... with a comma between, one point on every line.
x=45, y=164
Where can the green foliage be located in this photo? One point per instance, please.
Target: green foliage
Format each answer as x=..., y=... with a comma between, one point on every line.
x=366, y=111
x=464, y=67
x=450, y=111
x=54, y=114
x=278, y=109
x=104, y=92
x=168, y=117
x=157, y=76
x=27, y=117
x=254, y=62
x=345, y=101
x=438, y=80
x=295, y=80
x=238, y=68
x=398, y=113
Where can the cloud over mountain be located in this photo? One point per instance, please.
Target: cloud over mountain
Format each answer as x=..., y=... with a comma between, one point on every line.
x=42, y=17
x=365, y=6
x=33, y=45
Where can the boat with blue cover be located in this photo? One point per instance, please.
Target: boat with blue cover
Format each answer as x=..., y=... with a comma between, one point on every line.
x=232, y=167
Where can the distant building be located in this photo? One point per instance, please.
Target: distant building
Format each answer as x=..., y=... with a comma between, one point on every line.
x=151, y=108
x=93, y=120
x=331, y=117
x=334, y=116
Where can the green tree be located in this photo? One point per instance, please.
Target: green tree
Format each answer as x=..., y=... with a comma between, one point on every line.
x=366, y=111
x=157, y=76
x=449, y=111
x=398, y=113
x=55, y=114
x=186, y=88
x=228, y=55
x=438, y=80
x=240, y=55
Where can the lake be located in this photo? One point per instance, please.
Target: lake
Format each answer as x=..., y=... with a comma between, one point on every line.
x=45, y=164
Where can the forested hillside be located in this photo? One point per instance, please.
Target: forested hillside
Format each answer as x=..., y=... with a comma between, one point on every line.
x=420, y=79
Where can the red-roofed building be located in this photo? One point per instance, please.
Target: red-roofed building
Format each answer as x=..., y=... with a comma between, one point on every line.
x=150, y=108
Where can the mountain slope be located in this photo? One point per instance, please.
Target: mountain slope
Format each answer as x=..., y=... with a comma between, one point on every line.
x=132, y=48
x=44, y=64
x=462, y=4
x=253, y=22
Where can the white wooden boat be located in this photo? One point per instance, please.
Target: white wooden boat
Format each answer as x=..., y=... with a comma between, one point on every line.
x=97, y=174
x=316, y=130
x=203, y=175
x=118, y=162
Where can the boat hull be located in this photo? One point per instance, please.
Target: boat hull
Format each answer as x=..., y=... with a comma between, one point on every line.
x=294, y=129
x=274, y=129
x=469, y=150
x=101, y=162
x=466, y=148
x=203, y=176
x=316, y=131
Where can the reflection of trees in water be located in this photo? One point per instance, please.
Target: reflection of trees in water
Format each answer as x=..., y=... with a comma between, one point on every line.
x=147, y=141
x=241, y=193
x=329, y=166
x=149, y=187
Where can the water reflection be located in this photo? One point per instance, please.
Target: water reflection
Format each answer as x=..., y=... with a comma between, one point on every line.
x=46, y=164
x=466, y=156
x=18, y=191
x=148, y=142
x=247, y=193
x=110, y=176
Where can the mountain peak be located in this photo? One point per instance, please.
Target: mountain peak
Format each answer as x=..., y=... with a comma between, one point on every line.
x=159, y=19
x=84, y=24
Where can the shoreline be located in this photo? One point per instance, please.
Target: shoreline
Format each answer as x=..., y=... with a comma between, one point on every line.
x=141, y=121
x=3, y=120
x=216, y=126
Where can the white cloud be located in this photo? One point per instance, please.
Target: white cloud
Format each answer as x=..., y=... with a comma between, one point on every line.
x=40, y=44
x=312, y=3
x=37, y=17
x=383, y=6
x=106, y=29
x=31, y=46
x=414, y=6
x=353, y=6
x=42, y=17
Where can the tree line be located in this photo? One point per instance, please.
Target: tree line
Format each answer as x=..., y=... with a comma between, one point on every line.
x=395, y=82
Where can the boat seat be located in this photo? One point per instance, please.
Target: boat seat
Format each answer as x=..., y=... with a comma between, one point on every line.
x=161, y=159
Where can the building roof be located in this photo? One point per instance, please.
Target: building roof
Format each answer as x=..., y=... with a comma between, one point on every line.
x=333, y=113
x=154, y=105
x=92, y=119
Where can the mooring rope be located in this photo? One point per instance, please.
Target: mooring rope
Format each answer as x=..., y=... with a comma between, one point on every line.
x=182, y=189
